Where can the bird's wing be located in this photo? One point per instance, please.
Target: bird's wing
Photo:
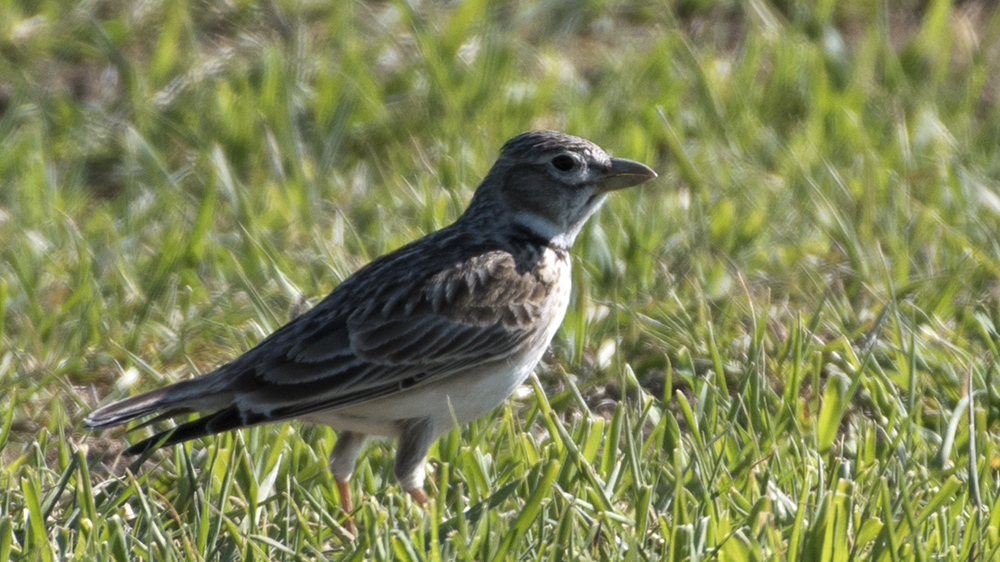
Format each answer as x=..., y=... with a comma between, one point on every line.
x=478, y=311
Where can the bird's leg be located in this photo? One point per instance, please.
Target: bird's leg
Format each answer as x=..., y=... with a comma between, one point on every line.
x=415, y=438
x=342, y=459
x=344, y=489
x=418, y=495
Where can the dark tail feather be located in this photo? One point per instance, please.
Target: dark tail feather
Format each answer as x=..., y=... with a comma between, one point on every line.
x=161, y=417
x=223, y=420
x=127, y=409
x=198, y=394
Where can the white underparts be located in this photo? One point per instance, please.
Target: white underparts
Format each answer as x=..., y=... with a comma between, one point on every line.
x=538, y=224
x=545, y=228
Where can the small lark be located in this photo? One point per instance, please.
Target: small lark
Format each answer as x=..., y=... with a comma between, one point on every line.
x=442, y=329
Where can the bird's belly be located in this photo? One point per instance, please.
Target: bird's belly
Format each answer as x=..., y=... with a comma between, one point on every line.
x=459, y=399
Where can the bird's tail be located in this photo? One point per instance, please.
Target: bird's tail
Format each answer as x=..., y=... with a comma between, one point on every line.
x=198, y=394
x=217, y=422
x=201, y=394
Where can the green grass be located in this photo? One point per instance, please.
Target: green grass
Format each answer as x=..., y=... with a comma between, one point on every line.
x=785, y=348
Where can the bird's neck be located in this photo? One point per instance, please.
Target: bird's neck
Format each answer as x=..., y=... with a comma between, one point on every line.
x=542, y=231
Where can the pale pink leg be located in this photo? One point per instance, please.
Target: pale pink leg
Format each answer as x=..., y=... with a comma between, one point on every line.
x=344, y=488
x=342, y=459
x=418, y=495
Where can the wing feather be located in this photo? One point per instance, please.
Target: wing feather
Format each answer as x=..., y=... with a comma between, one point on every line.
x=393, y=339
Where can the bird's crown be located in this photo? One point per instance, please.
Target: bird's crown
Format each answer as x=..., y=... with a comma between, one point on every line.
x=534, y=143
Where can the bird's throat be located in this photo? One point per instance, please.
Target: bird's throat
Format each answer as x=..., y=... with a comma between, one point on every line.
x=543, y=231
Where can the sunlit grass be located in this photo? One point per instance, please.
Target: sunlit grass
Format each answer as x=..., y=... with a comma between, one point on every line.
x=773, y=351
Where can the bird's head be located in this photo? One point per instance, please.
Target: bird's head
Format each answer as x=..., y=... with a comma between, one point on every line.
x=550, y=183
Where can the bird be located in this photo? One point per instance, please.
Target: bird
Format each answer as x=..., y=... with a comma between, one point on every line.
x=438, y=332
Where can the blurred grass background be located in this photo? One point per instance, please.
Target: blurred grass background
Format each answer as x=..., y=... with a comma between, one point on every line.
x=785, y=348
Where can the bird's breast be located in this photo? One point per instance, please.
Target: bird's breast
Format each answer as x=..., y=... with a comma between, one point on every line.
x=519, y=289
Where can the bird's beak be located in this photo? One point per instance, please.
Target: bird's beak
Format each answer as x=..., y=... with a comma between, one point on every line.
x=625, y=173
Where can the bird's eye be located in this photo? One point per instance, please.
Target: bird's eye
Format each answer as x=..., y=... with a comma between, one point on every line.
x=564, y=162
